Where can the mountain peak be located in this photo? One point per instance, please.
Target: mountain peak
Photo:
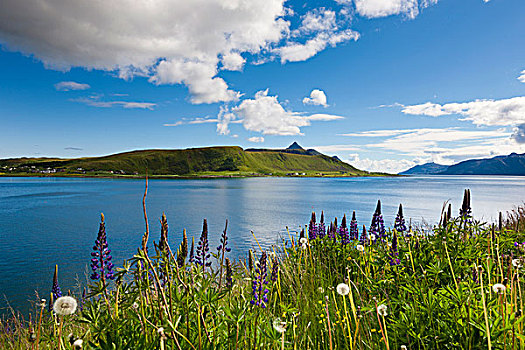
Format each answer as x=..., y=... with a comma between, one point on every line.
x=295, y=145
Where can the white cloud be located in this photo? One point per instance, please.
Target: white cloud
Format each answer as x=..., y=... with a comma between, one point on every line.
x=173, y=41
x=317, y=97
x=232, y=61
x=198, y=120
x=95, y=101
x=318, y=20
x=522, y=76
x=503, y=112
x=71, y=85
x=519, y=134
x=383, y=8
x=225, y=117
x=294, y=52
x=323, y=117
x=391, y=166
x=256, y=139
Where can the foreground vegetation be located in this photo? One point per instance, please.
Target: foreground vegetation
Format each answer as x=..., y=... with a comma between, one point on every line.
x=458, y=285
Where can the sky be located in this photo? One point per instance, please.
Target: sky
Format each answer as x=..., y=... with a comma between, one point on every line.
x=382, y=84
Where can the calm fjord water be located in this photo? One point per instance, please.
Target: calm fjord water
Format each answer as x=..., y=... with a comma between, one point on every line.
x=48, y=221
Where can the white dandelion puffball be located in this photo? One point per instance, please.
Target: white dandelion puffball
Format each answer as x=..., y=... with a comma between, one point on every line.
x=342, y=289
x=381, y=309
x=360, y=247
x=516, y=263
x=403, y=347
x=304, y=246
x=499, y=288
x=303, y=241
x=65, y=306
x=372, y=237
x=279, y=325
x=78, y=344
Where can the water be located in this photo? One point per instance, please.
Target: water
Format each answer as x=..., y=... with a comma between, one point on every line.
x=48, y=221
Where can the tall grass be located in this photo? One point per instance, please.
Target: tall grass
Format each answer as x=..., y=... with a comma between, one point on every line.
x=457, y=286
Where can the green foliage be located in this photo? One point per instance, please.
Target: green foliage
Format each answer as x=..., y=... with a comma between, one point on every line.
x=441, y=296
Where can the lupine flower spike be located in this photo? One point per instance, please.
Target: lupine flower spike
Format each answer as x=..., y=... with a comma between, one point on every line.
x=354, y=231
x=223, y=247
x=364, y=237
x=192, y=251
x=394, y=260
x=55, y=289
x=275, y=270
x=343, y=232
x=312, y=228
x=229, y=274
x=163, y=242
x=377, y=227
x=321, y=231
x=182, y=253
x=101, y=264
x=399, y=224
x=202, y=254
x=465, y=212
x=259, y=290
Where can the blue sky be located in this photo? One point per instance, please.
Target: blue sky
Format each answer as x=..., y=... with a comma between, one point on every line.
x=383, y=84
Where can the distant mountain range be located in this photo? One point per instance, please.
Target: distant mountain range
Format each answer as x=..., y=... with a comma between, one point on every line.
x=207, y=161
x=513, y=164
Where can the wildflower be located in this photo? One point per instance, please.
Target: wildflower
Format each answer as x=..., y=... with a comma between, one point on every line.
x=499, y=288
x=279, y=325
x=381, y=310
x=516, y=263
x=343, y=289
x=250, y=260
x=55, y=289
x=320, y=289
x=393, y=251
x=399, y=224
x=465, y=212
x=320, y=227
x=360, y=247
x=363, y=239
x=303, y=241
x=312, y=228
x=135, y=305
x=223, y=247
x=192, y=254
x=343, y=232
x=403, y=347
x=77, y=344
x=182, y=252
x=275, y=270
x=101, y=264
x=203, y=249
x=377, y=227
x=163, y=242
x=65, y=306
x=259, y=289
x=229, y=278
x=354, y=231
x=331, y=232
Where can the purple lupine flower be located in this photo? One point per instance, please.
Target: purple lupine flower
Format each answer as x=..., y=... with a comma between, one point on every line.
x=377, y=227
x=321, y=230
x=229, y=277
x=394, y=260
x=364, y=238
x=343, y=232
x=55, y=289
x=101, y=264
x=259, y=289
x=399, y=224
x=202, y=254
x=223, y=247
x=192, y=251
x=354, y=231
x=331, y=232
x=465, y=212
x=312, y=228
x=275, y=270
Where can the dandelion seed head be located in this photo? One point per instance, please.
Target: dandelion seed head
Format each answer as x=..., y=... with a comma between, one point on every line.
x=279, y=325
x=77, y=344
x=403, y=347
x=343, y=289
x=65, y=306
x=382, y=310
x=360, y=248
x=516, y=263
x=303, y=241
x=499, y=288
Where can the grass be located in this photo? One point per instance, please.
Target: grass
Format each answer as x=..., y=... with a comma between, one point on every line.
x=445, y=293
x=194, y=161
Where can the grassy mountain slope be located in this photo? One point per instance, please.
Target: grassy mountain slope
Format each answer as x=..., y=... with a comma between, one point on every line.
x=513, y=164
x=191, y=161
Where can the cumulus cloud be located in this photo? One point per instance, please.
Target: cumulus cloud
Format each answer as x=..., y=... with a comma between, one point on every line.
x=294, y=51
x=317, y=97
x=95, y=101
x=256, y=139
x=232, y=61
x=519, y=134
x=391, y=166
x=503, y=112
x=266, y=115
x=522, y=76
x=171, y=41
x=383, y=8
x=71, y=85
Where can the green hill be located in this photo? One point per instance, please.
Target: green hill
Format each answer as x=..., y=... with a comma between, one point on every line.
x=227, y=160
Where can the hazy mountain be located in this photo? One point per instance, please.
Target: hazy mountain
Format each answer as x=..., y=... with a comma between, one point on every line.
x=425, y=169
